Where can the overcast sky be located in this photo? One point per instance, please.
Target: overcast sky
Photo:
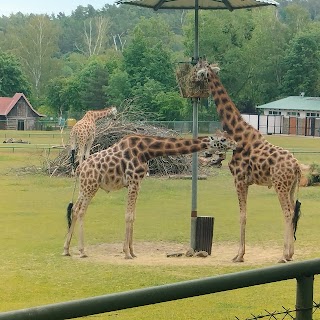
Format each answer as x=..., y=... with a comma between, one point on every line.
x=47, y=6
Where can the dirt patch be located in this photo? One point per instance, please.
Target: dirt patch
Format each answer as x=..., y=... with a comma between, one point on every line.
x=155, y=253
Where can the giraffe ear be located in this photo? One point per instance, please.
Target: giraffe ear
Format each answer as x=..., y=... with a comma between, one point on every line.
x=214, y=68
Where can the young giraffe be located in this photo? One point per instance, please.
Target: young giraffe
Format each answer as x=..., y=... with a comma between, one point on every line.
x=83, y=132
x=255, y=161
x=125, y=165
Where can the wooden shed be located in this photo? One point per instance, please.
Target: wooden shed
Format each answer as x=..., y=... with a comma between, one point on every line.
x=16, y=113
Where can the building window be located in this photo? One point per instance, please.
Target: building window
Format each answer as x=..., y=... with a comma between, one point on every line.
x=274, y=113
x=293, y=113
x=312, y=114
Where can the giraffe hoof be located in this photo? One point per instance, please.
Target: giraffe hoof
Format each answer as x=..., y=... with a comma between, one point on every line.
x=238, y=259
x=83, y=255
x=128, y=256
x=66, y=254
x=284, y=260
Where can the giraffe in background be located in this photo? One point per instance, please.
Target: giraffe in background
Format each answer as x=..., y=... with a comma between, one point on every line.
x=83, y=132
x=255, y=161
x=125, y=165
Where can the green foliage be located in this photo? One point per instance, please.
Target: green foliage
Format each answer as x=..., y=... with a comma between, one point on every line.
x=92, y=81
x=145, y=95
x=47, y=111
x=150, y=72
x=302, y=66
x=35, y=41
x=171, y=105
x=63, y=95
x=12, y=77
x=118, y=88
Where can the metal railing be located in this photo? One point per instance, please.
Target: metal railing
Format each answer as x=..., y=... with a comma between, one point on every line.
x=303, y=272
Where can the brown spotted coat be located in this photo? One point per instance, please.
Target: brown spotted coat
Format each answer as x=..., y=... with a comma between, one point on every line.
x=255, y=161
x=125, y=165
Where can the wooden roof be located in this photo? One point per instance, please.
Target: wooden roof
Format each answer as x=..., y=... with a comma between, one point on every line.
x=6, y=104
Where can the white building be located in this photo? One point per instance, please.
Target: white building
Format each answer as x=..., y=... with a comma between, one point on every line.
x=291, y=115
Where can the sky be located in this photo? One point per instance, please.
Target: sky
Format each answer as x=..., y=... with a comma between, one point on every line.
x=49, y=6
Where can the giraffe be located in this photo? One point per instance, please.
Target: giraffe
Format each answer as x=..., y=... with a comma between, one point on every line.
x=125, y=165
x=83, y=132
x=255, y=161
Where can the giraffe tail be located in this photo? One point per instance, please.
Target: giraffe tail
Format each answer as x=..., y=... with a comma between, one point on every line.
x=296, y=217
x=297, y=207
x=72, y=159
x=69, y=214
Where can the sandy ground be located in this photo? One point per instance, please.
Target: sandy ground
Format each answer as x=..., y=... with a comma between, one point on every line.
x=155, y=253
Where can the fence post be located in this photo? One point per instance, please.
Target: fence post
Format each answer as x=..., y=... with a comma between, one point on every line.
x=304, y=299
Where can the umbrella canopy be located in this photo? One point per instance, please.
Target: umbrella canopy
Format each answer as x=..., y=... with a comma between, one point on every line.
x=200, y=4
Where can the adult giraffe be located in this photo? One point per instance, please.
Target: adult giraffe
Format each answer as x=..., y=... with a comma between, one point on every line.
x=83, y=132
x=255, y=161
x=124, y=165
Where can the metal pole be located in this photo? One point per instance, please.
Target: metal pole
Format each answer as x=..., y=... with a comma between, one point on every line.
x=195, y=103
x=196, y=30
x=304, y=299
x=194, y=204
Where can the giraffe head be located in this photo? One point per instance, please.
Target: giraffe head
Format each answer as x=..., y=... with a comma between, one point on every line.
x=113, y=112
x=203, y=69
x=220, y=142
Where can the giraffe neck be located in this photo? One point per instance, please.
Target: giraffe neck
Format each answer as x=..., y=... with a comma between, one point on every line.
x=152, y=147
x=230, y=116
x=93, y=115
x=227, y=111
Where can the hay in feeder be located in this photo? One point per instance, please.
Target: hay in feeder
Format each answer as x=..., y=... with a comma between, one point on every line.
x=189, y=87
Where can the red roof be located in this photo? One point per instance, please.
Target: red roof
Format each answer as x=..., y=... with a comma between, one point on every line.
x=6, y=104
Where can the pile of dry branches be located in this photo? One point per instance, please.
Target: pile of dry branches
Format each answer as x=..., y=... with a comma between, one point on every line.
x=110, y=132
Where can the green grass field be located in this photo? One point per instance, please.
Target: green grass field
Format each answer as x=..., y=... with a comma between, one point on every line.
x=33, y=228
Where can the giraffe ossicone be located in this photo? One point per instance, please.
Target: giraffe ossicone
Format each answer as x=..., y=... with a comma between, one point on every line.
x=83, y=132
x=124, y=165
x=255, y=161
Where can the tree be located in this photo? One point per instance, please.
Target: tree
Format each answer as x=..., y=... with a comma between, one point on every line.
x=302, y=67
x=145, y=96
x=171, y=105
x=92, y=80
x=36, y=43
x=94, y=37
x=296, y=18
x=63, y=96
x=143, y=62
x=12, y=78
x=118, y=88
x=259, y=63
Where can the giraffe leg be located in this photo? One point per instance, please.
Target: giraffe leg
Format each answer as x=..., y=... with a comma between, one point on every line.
x=79, y=211
x=88, y=147
x=242, y=191
x=66, y=247
x=81, y=153
x=133, y=190
x=288, y=211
